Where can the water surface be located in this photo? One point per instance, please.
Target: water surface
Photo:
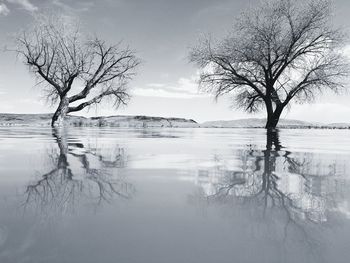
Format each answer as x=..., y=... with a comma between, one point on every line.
x=174, y=195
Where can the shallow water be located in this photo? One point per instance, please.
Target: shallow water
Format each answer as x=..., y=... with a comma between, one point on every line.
x=174, y=195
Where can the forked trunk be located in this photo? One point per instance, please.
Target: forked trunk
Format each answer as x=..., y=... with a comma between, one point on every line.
x=60, y=114
x=273, y=118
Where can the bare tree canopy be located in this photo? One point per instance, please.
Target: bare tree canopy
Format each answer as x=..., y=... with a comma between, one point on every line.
x=60, y=56
x=281, y=51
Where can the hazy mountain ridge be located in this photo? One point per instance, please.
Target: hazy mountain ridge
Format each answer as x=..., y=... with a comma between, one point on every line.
x=255, y=123
x=140, y=121
x=260, y=123
x=9, y=119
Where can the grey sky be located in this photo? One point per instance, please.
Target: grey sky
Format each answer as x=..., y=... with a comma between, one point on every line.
x=161, y=31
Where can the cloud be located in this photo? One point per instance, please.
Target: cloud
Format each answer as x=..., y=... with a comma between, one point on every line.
x=25, y=4
x=68, y=6
x=31, y=101
x=73, y=6
x=184, y=88
x=156, y=85
x=346, y=51
x=150, y=92
x=331, y=112
x=4, y=9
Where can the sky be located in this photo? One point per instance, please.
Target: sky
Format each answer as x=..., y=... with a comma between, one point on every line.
x=162, y=32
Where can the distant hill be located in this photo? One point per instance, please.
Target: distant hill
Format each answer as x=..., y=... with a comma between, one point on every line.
x=339, y=125
x=124, y=121
x=8, y=119
x=260, y=123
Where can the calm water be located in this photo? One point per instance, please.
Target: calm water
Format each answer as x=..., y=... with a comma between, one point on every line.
x=174, y=195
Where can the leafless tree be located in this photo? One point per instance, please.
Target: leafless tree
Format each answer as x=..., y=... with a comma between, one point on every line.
x=281, y=51
x=76, y=72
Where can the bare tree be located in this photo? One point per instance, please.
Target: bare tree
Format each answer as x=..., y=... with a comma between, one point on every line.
x=76, y=72
x=281, y=51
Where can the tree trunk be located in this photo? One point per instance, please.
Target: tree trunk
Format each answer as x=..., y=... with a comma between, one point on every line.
x=61, y=140
x=273, y=118
x=61, y=113
x=272, y=140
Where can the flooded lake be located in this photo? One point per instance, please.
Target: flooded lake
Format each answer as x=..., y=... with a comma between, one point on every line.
x=174, y=195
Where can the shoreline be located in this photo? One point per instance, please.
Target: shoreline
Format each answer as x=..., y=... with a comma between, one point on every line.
x=142, y=122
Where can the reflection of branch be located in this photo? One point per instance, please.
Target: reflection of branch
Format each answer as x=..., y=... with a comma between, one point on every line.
x=224, y=190
x=262, y=180
x=60, y=188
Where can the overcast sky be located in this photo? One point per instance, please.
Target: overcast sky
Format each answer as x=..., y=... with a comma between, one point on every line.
x=162, y=32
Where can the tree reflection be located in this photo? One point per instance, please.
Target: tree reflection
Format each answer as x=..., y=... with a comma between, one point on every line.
x=291, y=193
x=274, y=177
x=78, y=172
